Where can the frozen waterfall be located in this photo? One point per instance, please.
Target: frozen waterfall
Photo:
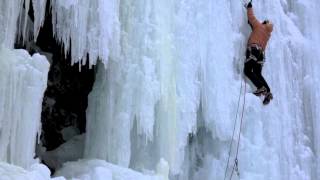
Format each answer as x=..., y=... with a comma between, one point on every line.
x=23, y=80
x=172, y=92
x=167, y=87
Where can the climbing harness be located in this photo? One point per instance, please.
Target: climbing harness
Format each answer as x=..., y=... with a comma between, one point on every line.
x=256, y=53
x=236, y=165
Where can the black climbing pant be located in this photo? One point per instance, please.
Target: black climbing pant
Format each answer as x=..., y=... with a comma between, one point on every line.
x=252, y=69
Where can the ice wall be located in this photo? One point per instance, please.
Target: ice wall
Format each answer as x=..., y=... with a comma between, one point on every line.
x=172, y=91
x=170, y=79
x=23, y=80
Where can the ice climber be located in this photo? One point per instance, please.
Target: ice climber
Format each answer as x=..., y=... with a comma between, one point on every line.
x=261, y=32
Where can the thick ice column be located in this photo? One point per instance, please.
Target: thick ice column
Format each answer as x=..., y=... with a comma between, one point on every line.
x=23, y=81
x=108, y=119
x=145, y=98
x=125, y=94
x=167, y=110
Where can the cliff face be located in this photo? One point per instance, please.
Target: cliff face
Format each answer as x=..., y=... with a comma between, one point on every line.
x=170, y=78
x=173, y=92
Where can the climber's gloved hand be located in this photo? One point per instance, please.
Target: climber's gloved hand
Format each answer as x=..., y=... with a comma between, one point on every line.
x=248, y=5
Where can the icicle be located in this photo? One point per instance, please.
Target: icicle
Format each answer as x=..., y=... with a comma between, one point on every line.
x=9, y=12
x=39, y=7
x=26, y=10
x=88, y=25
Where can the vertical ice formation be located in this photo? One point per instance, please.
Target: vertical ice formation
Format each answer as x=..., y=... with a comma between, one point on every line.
x=145, y=105
x=126, y=92
x=23, y=80
x=310, y=81
x=39, y=7
x=172, y=91
x=8, y=21
x=85, y=27
x=13, y=12
x=172, y=81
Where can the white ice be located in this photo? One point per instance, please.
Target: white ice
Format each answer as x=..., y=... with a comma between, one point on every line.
x=85, y=27
x=172, y=92
x=72, y=150
x=23, y=80
x=35, y=172
x=79, y=170
x=101, y=170
x=169, y=83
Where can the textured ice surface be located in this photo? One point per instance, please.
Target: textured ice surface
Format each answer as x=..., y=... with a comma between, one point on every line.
x=8, y=21
x=100, y=170
x=23, y=80
x=80, y=170
x=72, y=150
x=8, y=172
x=171, y=86
x=39, y=7
x=89, y=26
x=173, y=92
x=35, y=172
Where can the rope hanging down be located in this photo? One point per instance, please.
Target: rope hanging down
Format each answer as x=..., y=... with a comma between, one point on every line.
x=235, y=165
x=234, y=128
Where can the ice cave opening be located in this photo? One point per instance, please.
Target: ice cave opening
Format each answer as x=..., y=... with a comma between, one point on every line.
x=65, y=100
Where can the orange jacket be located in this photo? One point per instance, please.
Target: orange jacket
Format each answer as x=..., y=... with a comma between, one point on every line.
x=260, y=32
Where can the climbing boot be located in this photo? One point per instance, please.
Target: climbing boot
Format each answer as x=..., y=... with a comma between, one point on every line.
x=260, y=91
x=267, y=98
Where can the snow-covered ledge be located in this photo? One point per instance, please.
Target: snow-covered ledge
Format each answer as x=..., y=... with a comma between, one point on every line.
x=82, y=170
x=36, y=171
x=101, y=170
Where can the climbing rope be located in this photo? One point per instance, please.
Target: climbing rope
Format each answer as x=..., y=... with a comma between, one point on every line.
x=234, y=129
x=235, y=165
